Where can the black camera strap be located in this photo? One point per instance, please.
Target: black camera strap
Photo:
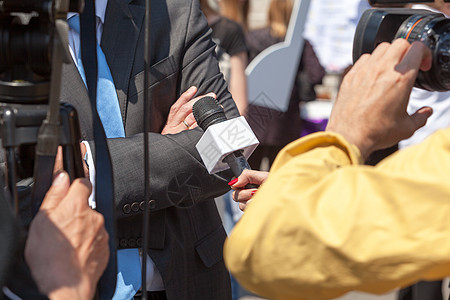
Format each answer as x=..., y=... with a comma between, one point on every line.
x=147, y=105
x=104, y=188
x=49, y=132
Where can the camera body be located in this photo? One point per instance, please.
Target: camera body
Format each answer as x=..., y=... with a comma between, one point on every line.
x=39, y=6
x=384, y=3
x=33, y=48
x=27, y=39
x=387, y=24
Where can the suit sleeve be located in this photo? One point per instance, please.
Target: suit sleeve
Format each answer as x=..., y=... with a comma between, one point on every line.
x=323, y=225
x=200, y=65
x=177, y=174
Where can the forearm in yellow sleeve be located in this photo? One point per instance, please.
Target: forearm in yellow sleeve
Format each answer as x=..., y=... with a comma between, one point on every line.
x=322, y=225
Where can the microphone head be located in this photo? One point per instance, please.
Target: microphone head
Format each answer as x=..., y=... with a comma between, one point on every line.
x=208, y=112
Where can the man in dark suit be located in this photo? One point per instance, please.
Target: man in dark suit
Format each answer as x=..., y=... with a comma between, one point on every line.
x=185, y=243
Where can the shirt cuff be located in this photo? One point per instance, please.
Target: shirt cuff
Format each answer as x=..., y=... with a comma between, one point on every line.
x=88, y=158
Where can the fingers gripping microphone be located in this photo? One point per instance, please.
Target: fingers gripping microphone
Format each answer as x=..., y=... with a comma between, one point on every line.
x=225, y=143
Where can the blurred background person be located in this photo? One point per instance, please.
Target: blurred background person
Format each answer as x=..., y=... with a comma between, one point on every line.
x=226, y=19
x=333, y=39
x=440, y=102
x=236, y=10
x=231, y=50
x=276, y=129
x=333, y=43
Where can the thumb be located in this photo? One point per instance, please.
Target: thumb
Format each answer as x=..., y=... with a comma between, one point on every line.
x=421, y=116
x=57, y=191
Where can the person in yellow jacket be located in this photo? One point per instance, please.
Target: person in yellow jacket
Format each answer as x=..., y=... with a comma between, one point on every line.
x=322, y=224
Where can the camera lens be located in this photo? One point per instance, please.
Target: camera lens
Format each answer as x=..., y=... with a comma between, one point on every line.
x=433, y=31
x=25, y=45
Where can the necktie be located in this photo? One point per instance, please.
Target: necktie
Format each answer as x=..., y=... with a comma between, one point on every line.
x=128, y=260
x=107, y=101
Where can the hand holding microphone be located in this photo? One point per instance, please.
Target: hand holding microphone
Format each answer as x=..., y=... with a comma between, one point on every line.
x=241, y=193
x=225, y=143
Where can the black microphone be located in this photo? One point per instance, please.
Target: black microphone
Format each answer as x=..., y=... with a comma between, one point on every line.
x=207, y=112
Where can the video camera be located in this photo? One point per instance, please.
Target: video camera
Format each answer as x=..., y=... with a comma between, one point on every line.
x=33, y=47
x=386, y=24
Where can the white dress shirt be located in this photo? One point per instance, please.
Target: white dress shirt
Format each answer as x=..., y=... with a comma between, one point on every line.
x=154, y=280
x=439, y=101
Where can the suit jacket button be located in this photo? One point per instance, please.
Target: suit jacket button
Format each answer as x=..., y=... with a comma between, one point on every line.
x=123, y=243
x=126, y=208
x=132, y=243
x=135, y=207
x=141, y=206
x=152, y=204
x=140, y=242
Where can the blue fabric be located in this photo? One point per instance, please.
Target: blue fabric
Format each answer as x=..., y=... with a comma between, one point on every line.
x=128, y=260
x=229, y=223
x=129, y=275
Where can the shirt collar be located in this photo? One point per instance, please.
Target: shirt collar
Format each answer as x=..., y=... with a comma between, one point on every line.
x=100, y=9
x=423, y=6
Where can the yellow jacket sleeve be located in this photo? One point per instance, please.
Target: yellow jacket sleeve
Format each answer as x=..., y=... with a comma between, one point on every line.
x=322, y=224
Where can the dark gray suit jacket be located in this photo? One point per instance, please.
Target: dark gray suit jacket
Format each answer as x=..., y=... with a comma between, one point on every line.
x=185, y=243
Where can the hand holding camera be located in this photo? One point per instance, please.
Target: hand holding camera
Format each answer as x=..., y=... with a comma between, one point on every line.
x=75, y=254
x=374, y=96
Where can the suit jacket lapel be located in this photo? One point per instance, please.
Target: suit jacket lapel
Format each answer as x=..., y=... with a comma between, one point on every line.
x=123, y=22
x=74, y=91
